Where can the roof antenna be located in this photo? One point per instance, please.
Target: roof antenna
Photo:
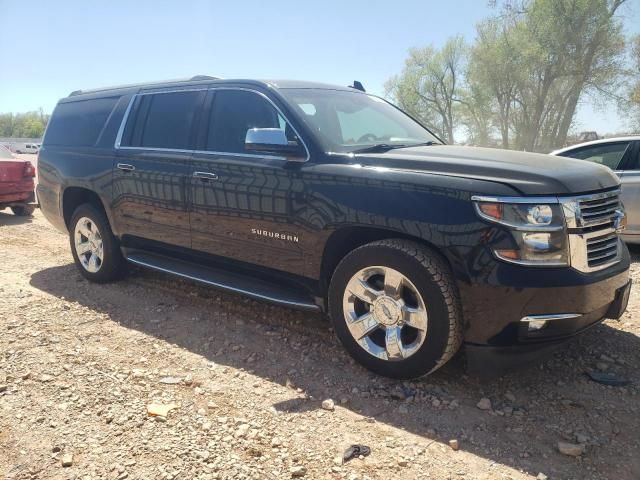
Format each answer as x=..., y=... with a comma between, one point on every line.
x=358, y=86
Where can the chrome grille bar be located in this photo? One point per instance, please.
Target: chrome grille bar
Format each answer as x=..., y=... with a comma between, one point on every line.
x=593, y=240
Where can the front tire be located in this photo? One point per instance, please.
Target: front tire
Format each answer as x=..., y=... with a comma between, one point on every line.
x=94, y=247
x=396, y=309
x=23, y=210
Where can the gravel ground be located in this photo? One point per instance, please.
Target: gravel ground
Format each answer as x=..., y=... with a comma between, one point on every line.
x=246, y=384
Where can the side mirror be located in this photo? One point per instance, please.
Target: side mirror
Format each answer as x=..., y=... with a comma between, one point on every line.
x=273, y=141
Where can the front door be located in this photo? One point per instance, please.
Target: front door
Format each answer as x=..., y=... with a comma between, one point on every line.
x=243, y=204
x=152, y=168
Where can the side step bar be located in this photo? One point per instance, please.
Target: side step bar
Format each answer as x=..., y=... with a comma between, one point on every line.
x=224, y=280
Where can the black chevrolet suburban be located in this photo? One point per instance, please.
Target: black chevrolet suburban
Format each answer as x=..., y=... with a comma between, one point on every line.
x=329, y=199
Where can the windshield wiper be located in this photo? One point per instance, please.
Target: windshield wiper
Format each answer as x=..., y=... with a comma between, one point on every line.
x=421, y=144
x=377, y=148
x=385, y=147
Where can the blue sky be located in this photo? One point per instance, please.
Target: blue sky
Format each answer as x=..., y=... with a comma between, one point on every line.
x=49, y=48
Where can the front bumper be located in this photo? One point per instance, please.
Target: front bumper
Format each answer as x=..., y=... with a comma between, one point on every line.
x=490, y=360
x=495, y=305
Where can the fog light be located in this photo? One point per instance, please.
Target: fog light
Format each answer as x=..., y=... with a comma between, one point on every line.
x=535, y=325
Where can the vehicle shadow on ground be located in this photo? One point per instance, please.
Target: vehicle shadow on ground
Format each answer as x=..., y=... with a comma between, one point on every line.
x=7, y=218
x=299, y=350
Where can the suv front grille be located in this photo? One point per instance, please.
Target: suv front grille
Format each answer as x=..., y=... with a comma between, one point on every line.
x=601, y=250
x=592, y=221
x=599, y=211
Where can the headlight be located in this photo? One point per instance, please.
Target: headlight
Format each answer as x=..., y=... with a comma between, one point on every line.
x=538, y=230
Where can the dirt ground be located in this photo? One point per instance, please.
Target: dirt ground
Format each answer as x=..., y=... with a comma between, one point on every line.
x=80, y=364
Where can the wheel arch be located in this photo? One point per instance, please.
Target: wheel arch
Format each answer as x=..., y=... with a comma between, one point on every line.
x=347, y=239
x=73, y=197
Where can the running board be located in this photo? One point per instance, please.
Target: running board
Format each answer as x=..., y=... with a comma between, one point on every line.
x=224, y=280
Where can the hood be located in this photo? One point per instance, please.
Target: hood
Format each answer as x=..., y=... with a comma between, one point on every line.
x=529, y=173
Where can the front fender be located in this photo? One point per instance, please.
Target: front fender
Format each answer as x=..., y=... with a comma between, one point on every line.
x=435, y=209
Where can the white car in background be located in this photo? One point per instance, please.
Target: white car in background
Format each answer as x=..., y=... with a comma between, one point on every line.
x=622, y=155
x=28, y=148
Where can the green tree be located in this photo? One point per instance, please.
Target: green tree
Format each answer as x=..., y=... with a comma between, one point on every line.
x=560, y=51
x=633, y=97
x=494, y=69
x=530, y=67
x=6, y=124
x=476, y=113
x=430, y=84
x=23, y=125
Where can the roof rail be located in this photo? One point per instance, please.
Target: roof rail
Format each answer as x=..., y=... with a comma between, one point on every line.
x=195, y=78
x=203, y=77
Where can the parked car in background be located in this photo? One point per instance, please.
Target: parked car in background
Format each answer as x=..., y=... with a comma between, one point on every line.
x=27, y=148
x=16, y=184
x=622, y=155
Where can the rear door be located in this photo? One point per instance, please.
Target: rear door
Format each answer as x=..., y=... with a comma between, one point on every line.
x=150, y=194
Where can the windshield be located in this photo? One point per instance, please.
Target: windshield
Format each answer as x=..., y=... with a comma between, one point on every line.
x=348, y=121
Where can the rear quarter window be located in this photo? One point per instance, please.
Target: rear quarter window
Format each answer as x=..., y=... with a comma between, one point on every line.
x=79, y=123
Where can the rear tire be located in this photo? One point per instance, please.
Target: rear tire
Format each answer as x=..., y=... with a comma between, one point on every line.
x=95, y=249
x=396, y=309
x=23, y=210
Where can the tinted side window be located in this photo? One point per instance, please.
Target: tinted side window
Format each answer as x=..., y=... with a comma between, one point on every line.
x=604, y=154
x=79, y=123
x=163, y=120
x=233, y=113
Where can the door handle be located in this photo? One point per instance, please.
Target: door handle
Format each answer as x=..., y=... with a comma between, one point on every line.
x=126, y=167
x=205, y=176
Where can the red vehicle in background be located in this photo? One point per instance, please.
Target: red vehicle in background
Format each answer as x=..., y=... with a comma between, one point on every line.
x=16, y=184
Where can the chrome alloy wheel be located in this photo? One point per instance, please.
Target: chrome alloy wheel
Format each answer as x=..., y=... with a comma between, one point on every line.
x=88, y=243
x=385, y=313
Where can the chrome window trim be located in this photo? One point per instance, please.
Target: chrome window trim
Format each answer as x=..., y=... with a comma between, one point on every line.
x=235, y=154
x=127, y=112
x=157, y=149
x=123, y=122
x=208, y=152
